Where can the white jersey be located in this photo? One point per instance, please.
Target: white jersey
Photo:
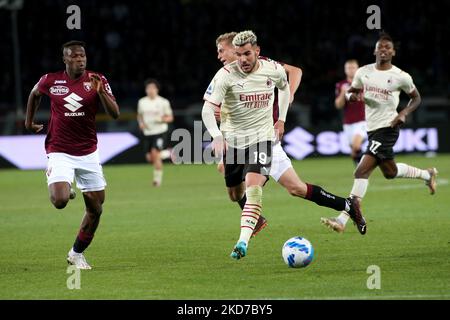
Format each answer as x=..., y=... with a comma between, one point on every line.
x=246, y=101
x=152, y=111
x=381, y=93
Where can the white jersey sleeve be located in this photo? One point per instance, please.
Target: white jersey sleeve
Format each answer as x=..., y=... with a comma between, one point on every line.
x=218, y=87
x=357, y=79
x=167, y=110
x=140, y=106
x=280, y=76
x=406, y=83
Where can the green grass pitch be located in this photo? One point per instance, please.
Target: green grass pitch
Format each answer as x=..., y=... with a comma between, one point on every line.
x=174, y=242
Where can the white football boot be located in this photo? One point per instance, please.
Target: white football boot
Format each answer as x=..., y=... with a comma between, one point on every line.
x=78, y=260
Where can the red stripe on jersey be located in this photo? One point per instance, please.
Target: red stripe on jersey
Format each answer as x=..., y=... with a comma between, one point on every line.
x=226, y=70
x=217, y=105
x=247, y=227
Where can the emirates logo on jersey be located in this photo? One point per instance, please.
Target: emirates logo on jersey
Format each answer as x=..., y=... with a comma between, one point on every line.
x=59, y=90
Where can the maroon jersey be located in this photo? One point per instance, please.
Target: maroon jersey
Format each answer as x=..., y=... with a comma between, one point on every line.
x=74, y=104
x=353, y=111
x=275, y=109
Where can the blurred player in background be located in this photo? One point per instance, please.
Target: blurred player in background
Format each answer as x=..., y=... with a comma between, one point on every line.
x=71, y=142
x=354, y=118
x=281, y=169
x=380, y=84
x=154, y=114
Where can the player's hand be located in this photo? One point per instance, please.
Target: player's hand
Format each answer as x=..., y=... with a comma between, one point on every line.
x=219, y=145
x=96, y=82
x=217, y=113
x=279, y=130
x=142, y=126
x=399, y=120
x=33, y=127
x=344, y=88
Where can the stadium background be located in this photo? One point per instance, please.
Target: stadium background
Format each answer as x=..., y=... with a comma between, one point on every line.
x=174, y=242
x=174, y=41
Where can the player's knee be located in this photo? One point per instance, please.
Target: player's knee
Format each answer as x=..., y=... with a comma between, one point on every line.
x=59, y=203
x=390, y=174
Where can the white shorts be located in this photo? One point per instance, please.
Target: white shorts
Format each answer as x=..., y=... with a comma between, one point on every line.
x=353, y=129
x=87, y=170
x=280, y=162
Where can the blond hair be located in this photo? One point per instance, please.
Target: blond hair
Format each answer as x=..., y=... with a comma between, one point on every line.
x=352, y=61
x=228, y=37
x=244, y=37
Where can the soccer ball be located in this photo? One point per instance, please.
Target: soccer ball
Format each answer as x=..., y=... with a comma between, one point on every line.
x=297, y=252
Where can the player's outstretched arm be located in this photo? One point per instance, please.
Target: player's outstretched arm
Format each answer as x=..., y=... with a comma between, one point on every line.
x=413, y=104
x=339, y=102
x=111, y=107
x=34, y=99
x=295, y=78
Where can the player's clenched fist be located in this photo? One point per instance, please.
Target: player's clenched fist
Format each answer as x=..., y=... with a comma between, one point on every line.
x=96, y=82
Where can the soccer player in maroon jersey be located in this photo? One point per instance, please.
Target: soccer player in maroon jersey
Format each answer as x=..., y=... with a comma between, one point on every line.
x=71, y=142
x=354, y=115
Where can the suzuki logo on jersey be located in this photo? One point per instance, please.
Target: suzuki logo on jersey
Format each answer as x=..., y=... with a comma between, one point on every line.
x=59, y=90
x=73, y=105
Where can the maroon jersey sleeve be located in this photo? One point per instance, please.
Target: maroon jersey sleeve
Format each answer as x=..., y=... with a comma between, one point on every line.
x=43, y=84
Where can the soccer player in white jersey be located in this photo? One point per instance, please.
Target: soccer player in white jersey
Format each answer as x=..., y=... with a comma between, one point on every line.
x=379, y=84
x=244, y=89
x=154, y=114
x=281, y=170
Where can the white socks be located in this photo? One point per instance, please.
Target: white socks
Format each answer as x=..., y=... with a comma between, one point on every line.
x=343, y=218
x=405, y=171
x=157, y=177
x=251, y=212
x=359, y=190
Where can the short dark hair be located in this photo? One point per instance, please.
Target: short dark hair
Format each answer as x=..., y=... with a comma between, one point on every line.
x=385, y=36
x=73, y=43
x=154, y=81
